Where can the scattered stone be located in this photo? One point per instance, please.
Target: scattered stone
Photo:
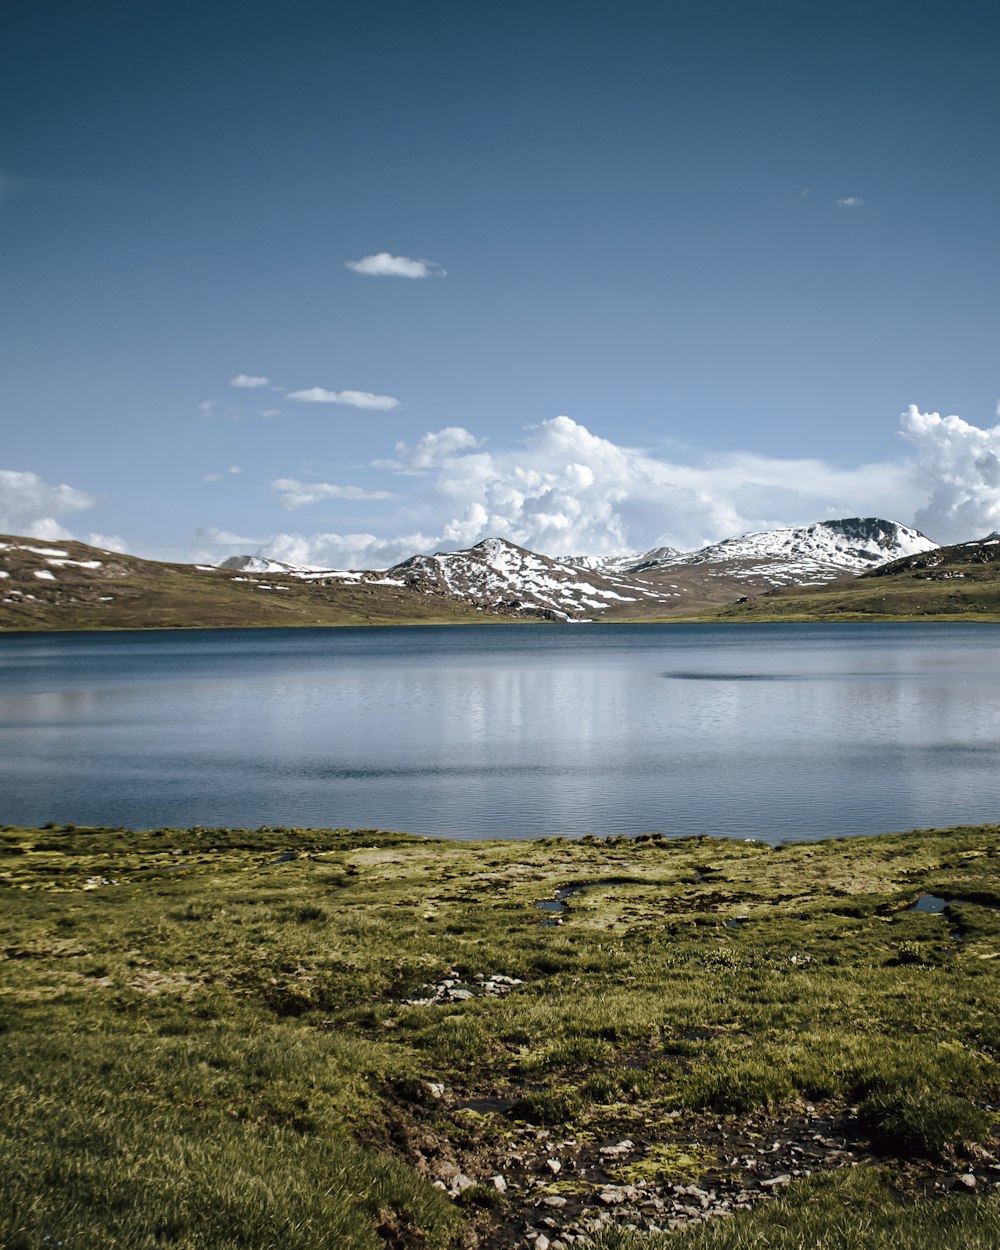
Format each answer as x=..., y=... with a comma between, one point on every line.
x=460, y=1182
x=617, y=1195
x=783, y=1179
x=553, y=1165
x=451, y=989
x=499, y=1183
x=968, y=1181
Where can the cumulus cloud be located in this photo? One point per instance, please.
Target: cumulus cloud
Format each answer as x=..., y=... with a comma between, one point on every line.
x=566, y=490
x=385, y=265
x=294, y=494
x=353, y=399
x=247, y=381
x=960, y=470
x=347, y=551
x=227, y=538
x=107, y=542
x=434, y=449
x=29, y=505
x=851, y=201
x=233, y=470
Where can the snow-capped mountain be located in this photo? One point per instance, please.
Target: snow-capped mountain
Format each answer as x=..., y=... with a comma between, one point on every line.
x=498, y=573
x=805, y=555
x=627, y=562
x=262, y=564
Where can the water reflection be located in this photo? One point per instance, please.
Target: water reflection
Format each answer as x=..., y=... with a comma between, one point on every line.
x=766, y=731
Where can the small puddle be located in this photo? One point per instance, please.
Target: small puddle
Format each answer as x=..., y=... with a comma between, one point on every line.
x=934, y=904
x=557, y=905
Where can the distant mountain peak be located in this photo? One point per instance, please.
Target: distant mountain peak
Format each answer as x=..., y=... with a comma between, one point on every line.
x=498, y=573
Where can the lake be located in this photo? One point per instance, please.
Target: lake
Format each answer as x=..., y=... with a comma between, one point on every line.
x=754, y=731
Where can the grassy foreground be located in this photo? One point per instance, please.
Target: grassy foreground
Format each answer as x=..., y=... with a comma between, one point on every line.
x=314, y=1039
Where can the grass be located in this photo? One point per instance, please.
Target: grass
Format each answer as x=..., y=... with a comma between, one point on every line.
x=127, y=592
x=955, y=583
x=204, y=1044
x=853, y=1211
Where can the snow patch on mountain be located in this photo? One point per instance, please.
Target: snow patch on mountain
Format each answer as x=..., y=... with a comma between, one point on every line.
x=500, y=574
x=809, y=554
x=624, y=562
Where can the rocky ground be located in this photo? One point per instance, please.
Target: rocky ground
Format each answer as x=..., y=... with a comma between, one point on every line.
x=527, y=1186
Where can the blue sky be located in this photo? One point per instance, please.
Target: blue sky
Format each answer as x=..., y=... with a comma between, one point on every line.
x=687, y=264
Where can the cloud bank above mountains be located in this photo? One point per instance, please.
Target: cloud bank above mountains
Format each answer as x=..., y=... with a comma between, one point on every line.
x=565, y=490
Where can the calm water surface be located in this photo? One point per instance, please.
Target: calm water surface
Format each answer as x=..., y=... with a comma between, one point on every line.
x=765, y=731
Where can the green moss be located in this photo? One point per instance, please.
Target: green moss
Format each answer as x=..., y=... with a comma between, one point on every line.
x=676, y=1162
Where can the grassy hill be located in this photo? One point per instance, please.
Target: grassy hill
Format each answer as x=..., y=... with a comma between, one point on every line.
x=70, y=585
x=232, y=1039
x=956, y=583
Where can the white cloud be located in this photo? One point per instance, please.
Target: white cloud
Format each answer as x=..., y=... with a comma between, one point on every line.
x=227, y=538
x=248, y=382
x=567, y=490
x=271, y=412
x=234, y=470
x=347, y=551
x=207, y=407
x=353, y=399
x=564, y=490
x=434, y=449
x=851, y=201
x=385, y=265
x=294, y=494
x=29, y=505
x=107, y=542
x=960, y=470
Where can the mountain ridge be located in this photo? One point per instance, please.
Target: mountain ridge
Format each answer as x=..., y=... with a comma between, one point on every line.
x=59, y=585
